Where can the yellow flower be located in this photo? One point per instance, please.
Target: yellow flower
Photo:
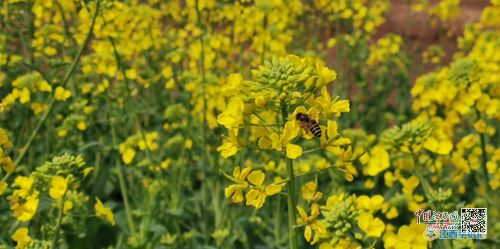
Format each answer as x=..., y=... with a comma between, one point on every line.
x=235, y=191
x=24, y=208
x=62, y=94
x=230, y=145
x=289, y=133
x=309, y=192
x=82, y=125
x=392, y=213
x=128, y=154
x=325, y=74
x=103, y=212
x=24, y=183
x=68, y=205
x=21, y=237
x=409, y=236
x=58, y=188
x=311, y=224
x=371, y=204
x=329, y=107
x=258, y=194
x=24, y=95
x=409, y=185
x=331, y=141
x=441, y=147
x=277, y=142
x=131, y=73
x=232, y=117
x=373, y=227
x=378, y=160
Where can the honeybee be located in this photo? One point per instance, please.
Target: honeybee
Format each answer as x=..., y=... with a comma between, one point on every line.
x=309, y=124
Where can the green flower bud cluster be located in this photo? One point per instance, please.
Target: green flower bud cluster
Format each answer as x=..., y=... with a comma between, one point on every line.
x=443, y=199
x=409, y=138
x=38, y=244
x=464, y=71
x=61, y=165
x=282, y=77
x=175, y=113
x=287, y=79
x=341, y=216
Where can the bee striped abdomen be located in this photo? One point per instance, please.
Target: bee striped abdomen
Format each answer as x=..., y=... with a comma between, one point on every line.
x=315, y=129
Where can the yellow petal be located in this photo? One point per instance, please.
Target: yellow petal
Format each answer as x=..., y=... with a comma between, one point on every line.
x=272, y=189
x=256, y=177
x=293, y=151
x=244, y=173
x=364, y=222
x=229, y=191
x=331, y=130
x=308, y=233
x=128, y=155
x=302, y=213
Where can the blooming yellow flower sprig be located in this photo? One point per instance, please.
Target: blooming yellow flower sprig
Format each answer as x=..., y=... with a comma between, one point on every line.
x=103, y=212
x=78, y=118
x=362, y=16
x=283, y=82
x=129, y=148
x=315, y=228
x=136, y=23
x=6, y=163
x=24, y=198
x=385, y=50
x=409, y=138
x=445, y=11
x=433, y=54
x=50, y=37
x=252, y=182
x=23, y=89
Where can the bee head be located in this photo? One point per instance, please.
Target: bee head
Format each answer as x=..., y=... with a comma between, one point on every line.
x=301, y=116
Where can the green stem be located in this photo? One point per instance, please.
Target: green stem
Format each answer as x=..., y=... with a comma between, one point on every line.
x=58, y=224
x=52, y=100
x=277, y=221
x=135, y=112
x=121, y=181
x=484, y=160
x=292, y=203
x=423, y=181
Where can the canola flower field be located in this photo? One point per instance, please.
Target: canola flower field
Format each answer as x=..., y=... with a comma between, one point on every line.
x=246, y=124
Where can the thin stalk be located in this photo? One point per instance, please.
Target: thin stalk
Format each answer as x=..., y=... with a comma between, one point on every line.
x=484, y=158
x=423, y=181
x=121, y=66
x=277, y=221
x=292, y=202
x=121, y=181
x=59, y=220
x=52, y=100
